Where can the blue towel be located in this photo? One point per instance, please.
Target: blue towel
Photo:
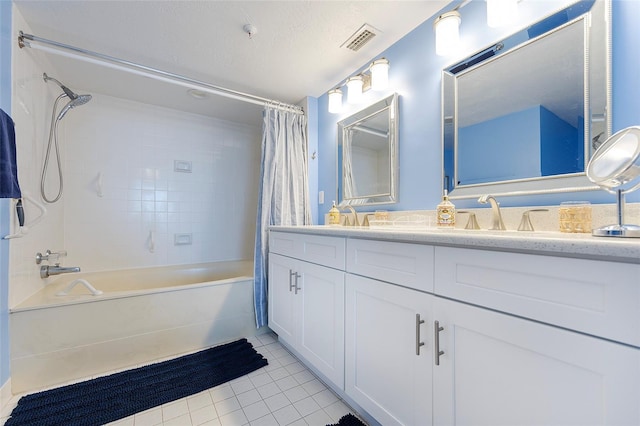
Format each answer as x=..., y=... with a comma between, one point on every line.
x=9, y=187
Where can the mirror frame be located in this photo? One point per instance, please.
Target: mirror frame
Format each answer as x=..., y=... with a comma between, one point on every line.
x=389, y=103
x=595, y=12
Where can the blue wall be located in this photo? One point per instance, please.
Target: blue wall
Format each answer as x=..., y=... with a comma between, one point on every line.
x=524, y=144
x=510, y=146
x=5, y=105
x=415, y=75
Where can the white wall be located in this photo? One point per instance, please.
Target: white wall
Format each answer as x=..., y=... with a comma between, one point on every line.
x=134, y=146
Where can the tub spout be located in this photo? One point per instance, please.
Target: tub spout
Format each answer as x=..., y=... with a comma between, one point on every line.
x=48, y=270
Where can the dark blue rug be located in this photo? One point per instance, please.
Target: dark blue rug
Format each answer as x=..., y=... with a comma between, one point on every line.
x=109, y=398
x=349, y=420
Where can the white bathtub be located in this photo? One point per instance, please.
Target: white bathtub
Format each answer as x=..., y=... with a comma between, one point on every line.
x=143, y=315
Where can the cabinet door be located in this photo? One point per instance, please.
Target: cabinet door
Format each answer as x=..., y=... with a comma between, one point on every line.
x=282, y=296
x=501, y=370
x=321, y=318
x=383, y=372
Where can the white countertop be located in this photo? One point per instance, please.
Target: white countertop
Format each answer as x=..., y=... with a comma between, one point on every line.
x=583, y=246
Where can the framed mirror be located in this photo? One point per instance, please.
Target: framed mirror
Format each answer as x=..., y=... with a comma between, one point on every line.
x=368, y=155
x=524, y=115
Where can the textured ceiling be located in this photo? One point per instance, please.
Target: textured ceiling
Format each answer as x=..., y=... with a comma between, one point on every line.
x=295, y=53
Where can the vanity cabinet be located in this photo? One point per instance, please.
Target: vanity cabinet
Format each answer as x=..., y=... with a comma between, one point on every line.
x=388, y=351
x=498, y=369
x=449, y=335
x=306, y=301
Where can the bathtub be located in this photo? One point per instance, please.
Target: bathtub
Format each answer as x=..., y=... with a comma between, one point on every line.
x=142, y=315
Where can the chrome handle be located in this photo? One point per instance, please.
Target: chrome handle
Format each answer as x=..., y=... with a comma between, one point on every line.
x=418, y=342
x=436, y=341
x=525, y=222
x=292, y=274
x=50, y=255
x=472, y=223
x=296, y=284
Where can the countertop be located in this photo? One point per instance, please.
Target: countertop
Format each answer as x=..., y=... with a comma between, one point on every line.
x=584, y=246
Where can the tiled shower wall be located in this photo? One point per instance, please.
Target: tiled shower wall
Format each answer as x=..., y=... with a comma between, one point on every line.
x=126, y=205
x=133, y=147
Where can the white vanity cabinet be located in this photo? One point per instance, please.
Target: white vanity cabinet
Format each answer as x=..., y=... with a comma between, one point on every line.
x=548, y=369
x=306, y=300
x=388, y=334
x=388, y=353
x=498, y=369
x=446, y=335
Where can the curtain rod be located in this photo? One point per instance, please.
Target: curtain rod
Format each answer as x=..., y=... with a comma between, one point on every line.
x=34, y=42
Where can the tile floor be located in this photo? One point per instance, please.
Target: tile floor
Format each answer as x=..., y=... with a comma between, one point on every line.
x=284, y=392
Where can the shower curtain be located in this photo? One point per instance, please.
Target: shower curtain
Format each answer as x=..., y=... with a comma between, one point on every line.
x=350, y=190
x=283, y=196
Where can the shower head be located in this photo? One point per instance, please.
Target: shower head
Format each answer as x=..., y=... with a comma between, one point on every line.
x=79, y=100
x=75, y=99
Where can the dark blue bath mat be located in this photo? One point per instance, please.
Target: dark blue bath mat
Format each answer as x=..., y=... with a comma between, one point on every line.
x=349, y=420
x=109, y=398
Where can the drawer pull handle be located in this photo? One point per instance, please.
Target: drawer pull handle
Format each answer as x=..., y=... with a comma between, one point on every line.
x=296, y=283
x=418, y=342
x=291, y=275
x=293, y=285
x=436, y=341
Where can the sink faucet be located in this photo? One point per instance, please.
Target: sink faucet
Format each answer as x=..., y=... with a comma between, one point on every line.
x=48, y=270
x=355, y=221
x=497, y=223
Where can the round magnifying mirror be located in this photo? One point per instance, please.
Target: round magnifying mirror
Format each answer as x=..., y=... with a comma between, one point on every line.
x=615, y=167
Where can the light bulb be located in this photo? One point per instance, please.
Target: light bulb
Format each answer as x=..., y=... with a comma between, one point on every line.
x=447, y=27
x=380, y=74
x=354, y=89
x=335, y=101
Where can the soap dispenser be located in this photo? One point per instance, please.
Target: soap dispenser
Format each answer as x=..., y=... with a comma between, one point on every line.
x=446, y=212
x=334, y=215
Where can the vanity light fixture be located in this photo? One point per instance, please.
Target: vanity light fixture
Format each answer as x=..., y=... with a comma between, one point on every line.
x=375, y=77
x=380, y=74
x=447, y=28
x=335, y=101
x=354, y=89
x=501, y=12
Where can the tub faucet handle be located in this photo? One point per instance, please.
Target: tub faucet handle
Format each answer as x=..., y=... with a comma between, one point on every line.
x=50, y=255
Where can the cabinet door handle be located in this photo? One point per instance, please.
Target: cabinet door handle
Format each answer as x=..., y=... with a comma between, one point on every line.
x=291, y=284
x=418, y=342
x=436, y=341
x=296, y=283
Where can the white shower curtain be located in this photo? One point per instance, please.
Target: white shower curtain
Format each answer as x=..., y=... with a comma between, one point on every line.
x=283, y=197
x=350, y=190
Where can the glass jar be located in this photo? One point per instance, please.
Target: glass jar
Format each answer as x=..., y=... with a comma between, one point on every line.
x=575, y=216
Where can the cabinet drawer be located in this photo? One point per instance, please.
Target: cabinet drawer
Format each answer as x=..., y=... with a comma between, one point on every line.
x=598, y=298
x=327, y=251
x=409, y=265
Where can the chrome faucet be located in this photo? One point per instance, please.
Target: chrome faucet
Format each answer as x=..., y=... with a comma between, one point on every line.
x=48, y=270
x=496, y=220
x=355, y=220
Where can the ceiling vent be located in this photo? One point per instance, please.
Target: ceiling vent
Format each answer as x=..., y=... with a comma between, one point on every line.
x=361, y=37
